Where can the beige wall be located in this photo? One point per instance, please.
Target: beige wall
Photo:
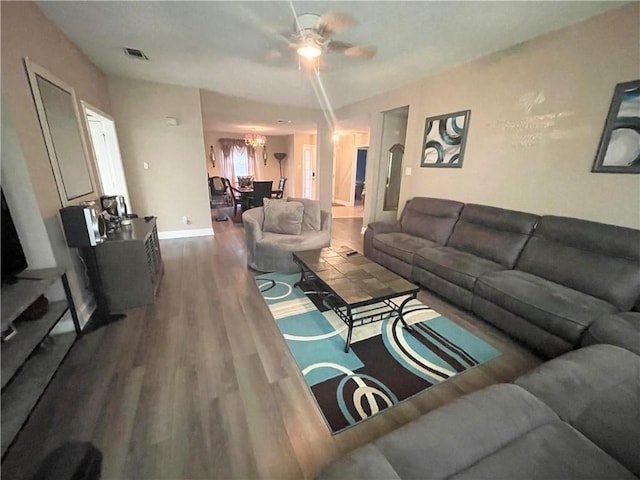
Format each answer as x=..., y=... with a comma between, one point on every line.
x=175, y=184
x=27, y=32
x=537, y=161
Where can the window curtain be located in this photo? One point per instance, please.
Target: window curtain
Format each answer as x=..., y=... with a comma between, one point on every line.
x=229, y=146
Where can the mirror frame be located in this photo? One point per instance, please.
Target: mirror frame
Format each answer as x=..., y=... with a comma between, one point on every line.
x=33, y=72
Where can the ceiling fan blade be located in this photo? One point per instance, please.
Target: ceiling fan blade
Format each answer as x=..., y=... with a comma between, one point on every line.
x=337, y=46
x=351, y=50
x=360, y=51
x=333, y=22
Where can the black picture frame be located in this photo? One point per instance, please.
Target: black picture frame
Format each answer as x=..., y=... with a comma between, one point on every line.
x=444, y=141
x=619, y=148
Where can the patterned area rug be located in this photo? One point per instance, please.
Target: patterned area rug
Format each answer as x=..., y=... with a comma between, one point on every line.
x=386, y=363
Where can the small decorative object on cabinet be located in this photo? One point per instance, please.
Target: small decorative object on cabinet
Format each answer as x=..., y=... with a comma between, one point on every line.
x=130, y=265
x=31, y=355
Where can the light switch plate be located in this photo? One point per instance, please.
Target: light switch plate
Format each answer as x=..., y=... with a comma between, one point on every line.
x=407, y=171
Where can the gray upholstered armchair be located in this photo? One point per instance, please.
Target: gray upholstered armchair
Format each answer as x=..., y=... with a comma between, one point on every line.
x=268, y=249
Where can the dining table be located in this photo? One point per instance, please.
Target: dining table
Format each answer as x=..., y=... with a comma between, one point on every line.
x=245, y=194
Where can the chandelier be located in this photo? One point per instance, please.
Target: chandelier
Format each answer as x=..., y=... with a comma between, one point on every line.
x=255, y=140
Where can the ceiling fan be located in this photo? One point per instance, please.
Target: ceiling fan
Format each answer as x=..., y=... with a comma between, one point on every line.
x=311, y=36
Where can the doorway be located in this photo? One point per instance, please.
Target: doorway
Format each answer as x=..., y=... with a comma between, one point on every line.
x=360, y=173
x=104, y=141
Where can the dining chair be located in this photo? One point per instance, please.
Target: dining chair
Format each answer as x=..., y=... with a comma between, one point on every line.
x=261, y=190
x=217, y=192
x=238, y=198
x=280, y=191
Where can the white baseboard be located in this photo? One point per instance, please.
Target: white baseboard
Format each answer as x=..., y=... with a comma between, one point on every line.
x=196, y=232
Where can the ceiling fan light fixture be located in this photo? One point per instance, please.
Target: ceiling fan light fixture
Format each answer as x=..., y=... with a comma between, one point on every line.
x=310, y=50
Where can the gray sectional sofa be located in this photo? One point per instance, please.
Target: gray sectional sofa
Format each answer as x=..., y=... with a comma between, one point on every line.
x=567, y=288
x=574, y=417
x=543, y=280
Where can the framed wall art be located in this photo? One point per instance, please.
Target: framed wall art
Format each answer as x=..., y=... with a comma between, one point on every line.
x=444, y=140
x=619, y=149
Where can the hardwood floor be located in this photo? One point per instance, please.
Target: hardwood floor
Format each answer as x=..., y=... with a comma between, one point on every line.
x=202, y=385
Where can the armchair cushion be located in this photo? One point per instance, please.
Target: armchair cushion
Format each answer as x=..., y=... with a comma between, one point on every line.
x=311, y=220
x=282, y=217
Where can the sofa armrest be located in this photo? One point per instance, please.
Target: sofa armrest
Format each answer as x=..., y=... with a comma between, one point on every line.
x=621, y=329
x=366, y=462
x=450, y=439
x=326, y=219
x=384, y=227
x=375, y=228
x=252, y=220
x=596, y=390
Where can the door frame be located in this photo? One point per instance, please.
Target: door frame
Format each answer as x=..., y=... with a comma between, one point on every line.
x=116, y=163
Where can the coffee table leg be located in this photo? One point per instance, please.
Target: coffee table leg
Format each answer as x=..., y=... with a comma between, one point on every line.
x=301, y=274
x=346, y=346
x=401, y=316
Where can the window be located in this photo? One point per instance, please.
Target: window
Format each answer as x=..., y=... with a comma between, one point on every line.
x=240, y=159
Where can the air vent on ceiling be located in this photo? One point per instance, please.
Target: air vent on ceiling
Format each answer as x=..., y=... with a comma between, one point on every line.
x=285, y=121
x=135, y=53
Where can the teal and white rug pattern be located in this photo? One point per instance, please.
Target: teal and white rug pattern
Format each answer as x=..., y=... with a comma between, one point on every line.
x=386, y=363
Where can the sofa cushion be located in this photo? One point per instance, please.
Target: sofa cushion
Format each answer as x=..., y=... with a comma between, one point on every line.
x=492, y=233
x=311, y=220
x=430, y=218
x=594, y=258
x=400, y=245
x=458, y=267
x=597, y=390
x=540, y=340
x=555, y=308
x=282, y=217
x=620, y=329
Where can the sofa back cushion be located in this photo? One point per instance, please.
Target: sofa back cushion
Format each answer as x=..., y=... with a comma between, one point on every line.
x=594, y=258
x=282, y=217
x=312, y=218
x=493, y=233
x=430, y=218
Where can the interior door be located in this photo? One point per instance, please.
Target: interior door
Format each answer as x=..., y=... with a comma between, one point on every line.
x=309, y=171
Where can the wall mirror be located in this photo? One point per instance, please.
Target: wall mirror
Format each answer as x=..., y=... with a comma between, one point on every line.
x=60, y=121
x=394, y=177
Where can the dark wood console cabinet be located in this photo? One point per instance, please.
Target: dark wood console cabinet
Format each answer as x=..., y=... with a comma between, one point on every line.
x=130, y=265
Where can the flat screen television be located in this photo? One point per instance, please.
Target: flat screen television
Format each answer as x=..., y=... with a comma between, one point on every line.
x=13, y=259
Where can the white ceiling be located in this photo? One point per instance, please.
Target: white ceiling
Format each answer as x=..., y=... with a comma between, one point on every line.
x=228, y=46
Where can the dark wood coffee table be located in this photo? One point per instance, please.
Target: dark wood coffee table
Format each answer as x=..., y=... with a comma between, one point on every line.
x=351, y=283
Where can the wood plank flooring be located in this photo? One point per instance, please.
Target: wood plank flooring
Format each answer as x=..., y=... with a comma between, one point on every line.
x=202, y=385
